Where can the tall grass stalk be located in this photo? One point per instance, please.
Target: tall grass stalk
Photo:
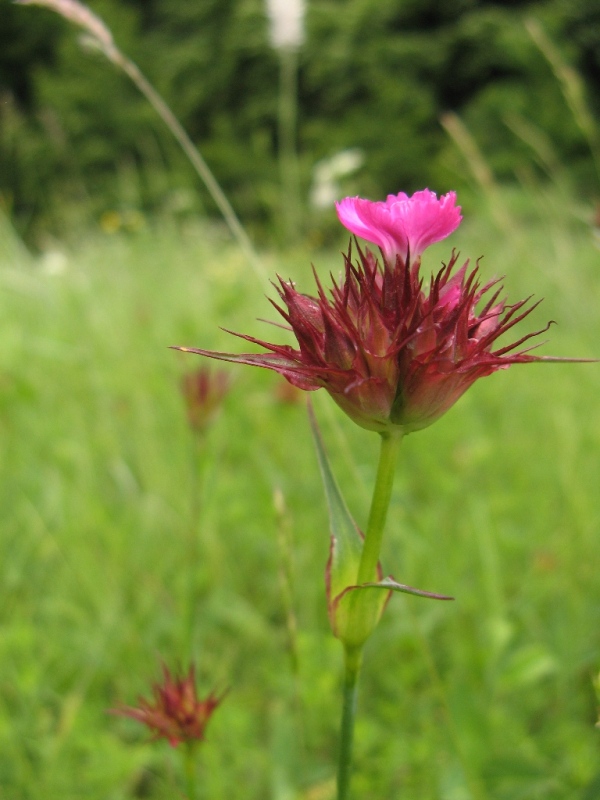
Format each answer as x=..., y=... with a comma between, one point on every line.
x=572, y=87
x=100, y=38
x=540, y=143
x=286, y=584
x=484, y=177
x=197, y=467
x=286, y=577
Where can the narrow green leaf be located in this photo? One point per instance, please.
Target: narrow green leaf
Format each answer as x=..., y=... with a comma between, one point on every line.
x=346, y=538
x=391, y=585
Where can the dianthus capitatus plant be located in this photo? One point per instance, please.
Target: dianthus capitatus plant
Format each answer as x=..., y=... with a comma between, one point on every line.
x=395, y=352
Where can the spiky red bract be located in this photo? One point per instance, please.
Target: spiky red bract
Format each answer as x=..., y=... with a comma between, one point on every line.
x=175, y=713
x=389, y=352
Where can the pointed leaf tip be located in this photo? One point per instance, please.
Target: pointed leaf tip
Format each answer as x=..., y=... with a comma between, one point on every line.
x=391, y=585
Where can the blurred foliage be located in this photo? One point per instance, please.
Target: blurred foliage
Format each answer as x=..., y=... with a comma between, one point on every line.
x=76, y=139
x=115, y=553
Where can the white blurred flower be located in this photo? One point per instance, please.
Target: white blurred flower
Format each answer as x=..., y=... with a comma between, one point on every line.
x=325, y=188
x=54, y=262
x=286, y=18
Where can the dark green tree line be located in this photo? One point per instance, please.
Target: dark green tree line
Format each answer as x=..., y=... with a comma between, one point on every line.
x=74, y=133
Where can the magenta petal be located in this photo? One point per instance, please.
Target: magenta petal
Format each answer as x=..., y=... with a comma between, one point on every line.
x=402, y=226
x=426, y=219
x=372, y=221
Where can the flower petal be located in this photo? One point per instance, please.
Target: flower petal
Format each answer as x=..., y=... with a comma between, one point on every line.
x=402, y=226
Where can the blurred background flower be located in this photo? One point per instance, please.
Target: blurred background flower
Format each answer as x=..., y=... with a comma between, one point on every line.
x=175, y=712
x=286, y=23
x=204, y=391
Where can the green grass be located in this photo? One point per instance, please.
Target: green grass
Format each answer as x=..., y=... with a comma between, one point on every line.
x=104, y=573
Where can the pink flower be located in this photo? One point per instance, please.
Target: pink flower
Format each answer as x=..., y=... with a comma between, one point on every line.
x=388, y=352
x=401, y=226
x=176, y=714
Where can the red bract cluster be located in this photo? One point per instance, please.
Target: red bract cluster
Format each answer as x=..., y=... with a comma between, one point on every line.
x=176, y=714
x=389, y=352
x=204, y=391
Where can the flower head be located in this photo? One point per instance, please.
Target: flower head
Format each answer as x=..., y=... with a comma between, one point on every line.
x=391, y=353
x=401, y=226
x=203, y=392
x=286, y=18
x=176, y=713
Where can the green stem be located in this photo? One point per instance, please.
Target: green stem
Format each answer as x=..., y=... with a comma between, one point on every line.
x=194, y=555
x=367, y=572
x=288, y=149
x=390, y=444
x=352, y=663
x=189, y=766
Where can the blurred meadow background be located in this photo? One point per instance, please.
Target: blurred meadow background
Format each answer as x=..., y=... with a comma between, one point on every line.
x=121, y=547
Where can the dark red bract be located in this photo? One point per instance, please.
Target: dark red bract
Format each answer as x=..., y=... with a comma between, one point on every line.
x=389, y=352
x=176, y=713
